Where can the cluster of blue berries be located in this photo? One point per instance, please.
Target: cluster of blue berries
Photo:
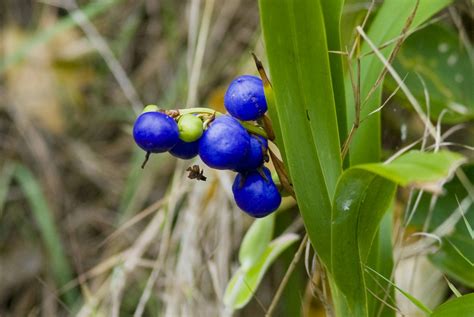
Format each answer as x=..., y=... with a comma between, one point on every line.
x=221, y=141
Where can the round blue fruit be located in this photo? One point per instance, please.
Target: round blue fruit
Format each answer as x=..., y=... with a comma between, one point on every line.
x=255, y=155
x=185, y=150
x=224, y=144
x=155, y=132
x=245, y=98
x=256, y=195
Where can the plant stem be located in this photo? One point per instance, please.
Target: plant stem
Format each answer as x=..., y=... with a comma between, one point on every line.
x=290, y=270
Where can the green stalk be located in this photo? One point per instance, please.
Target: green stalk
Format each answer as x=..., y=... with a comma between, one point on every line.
x=201, y=110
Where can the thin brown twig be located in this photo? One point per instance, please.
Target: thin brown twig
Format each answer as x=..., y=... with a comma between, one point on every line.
x=285, y=279
x=267, y=124
x=357, y=39
x=404, y=34
x=282, y=175
x=410, y=32
x=355, y=125
x=325, y=296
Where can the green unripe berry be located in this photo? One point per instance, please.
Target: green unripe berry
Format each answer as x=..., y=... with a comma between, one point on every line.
x=190, y=128
x=150, y=108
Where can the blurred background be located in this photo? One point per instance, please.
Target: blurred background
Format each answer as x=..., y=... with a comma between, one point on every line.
x=83, y=229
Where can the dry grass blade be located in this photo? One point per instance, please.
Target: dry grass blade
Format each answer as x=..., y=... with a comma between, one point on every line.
x=104, y=50
x=385, y=302
x=462, y=32
x=135, y=219
x=442, y=230
x=165, y=241
x=199, y=54
x=405, y=35
x=389, y=98
x=399, y=81
x=366, y=18
x=393, y=54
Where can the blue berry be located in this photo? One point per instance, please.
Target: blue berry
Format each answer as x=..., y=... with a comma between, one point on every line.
x=255, y=155
x=155, y=132
x=255, y=195
x=185, y=150
x=224, y=144
x=245, y=98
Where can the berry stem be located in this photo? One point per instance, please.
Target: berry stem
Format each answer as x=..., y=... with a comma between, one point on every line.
x=147, y=156
x=248, y=126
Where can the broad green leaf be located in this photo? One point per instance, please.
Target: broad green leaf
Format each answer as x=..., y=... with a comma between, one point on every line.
x=361, y=200
x=363, y=195
x=388, y=23
x=43, y=216
x=459, y=307
x=296, y=46
x=256, y=240
x=418, y=169
x=245, y=281
x=436, y=54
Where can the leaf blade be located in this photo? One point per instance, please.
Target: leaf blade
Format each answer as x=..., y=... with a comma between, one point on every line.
x=256, y=240
x=418, y=168
x=363, y=195
x=460, y=306
x=299, y=65
x=245, y=281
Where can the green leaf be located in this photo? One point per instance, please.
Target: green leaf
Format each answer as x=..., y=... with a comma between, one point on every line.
x=456, y=258
x=363, y=195
x=411, y=298
x=460, y=307
x=454, y=193
x=436, y=54
x=456, y=253
x=43, y=216
x=245, y=281
x=387, y=25
x=361, y=200
x=256, y=240
x=453, y=288
x=418, y=169
x=381, y=259
x=332, y=12
x=296, y=46
x=6, y=175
